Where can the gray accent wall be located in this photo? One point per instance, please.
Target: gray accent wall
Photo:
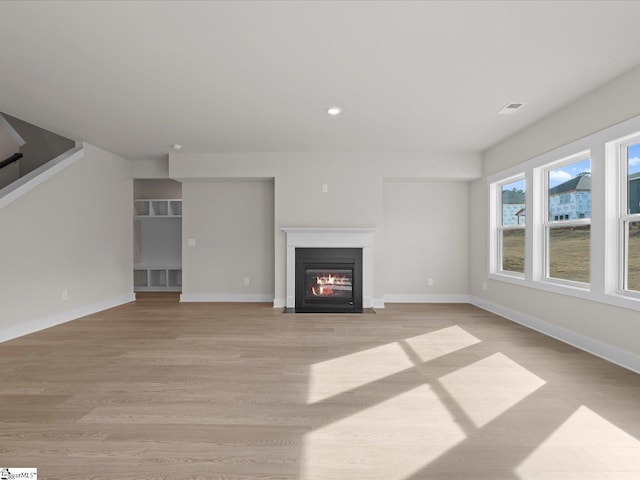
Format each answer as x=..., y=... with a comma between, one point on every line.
x=426, y=236
x=355, y=197
x=232, y=223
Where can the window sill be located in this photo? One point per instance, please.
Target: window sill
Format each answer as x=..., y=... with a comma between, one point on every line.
x=546, y=285
x=618, y=299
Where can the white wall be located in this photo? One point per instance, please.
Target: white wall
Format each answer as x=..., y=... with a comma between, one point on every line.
x=354, y=197
x=150, y=168
x=157, y=189
x=598, y=327
x=72, y=232
x=425, y=237
x=231, y=221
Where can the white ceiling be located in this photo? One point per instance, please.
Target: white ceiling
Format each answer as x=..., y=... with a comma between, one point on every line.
x=136, y=77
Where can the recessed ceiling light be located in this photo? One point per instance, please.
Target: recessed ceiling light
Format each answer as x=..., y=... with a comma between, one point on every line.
x=334, y=111
x=511, y=108
x=176, y=146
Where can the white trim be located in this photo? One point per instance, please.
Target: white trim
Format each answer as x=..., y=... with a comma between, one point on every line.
x=227, y=297
x=419, y=298
x=31, y=180
x=496, y=228
x=377, y=302
x=10, y=332
x=544, y=231
x=11, y=131
x=279, y=303
x=590, y=345
x=618, y=150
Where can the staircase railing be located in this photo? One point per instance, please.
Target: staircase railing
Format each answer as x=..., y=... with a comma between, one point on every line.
x=13, y=158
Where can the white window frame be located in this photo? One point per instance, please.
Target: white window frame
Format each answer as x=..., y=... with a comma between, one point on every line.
x=500, y=228
x=548, y=225
x=624, y=218
x=608, y=214
x=496, y=227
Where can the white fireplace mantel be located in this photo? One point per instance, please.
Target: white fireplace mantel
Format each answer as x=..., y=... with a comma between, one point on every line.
x=298, y=237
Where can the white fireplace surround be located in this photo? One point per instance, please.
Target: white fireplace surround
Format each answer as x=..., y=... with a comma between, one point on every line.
x=330, y=238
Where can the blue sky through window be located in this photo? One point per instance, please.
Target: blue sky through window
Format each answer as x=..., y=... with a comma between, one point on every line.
x=563, y=174
x=634, y=158
x=519, y=185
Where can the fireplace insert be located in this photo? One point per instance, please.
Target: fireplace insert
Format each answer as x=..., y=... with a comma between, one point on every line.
x=328, y=280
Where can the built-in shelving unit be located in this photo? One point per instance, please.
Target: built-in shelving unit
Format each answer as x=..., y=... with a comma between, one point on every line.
x=158, y=244
x=157, y=208
x=154, y=279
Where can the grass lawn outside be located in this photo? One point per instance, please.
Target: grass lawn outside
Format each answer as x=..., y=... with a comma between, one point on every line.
x=569, y=249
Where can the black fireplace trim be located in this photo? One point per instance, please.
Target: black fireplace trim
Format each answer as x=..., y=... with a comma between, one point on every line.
x=326, y=258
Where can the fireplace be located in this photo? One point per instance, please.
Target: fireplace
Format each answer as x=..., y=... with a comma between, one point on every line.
x=332, y=239
x=328, y=280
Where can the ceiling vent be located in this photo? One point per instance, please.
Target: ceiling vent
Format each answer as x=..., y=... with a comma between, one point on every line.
x=511, y=108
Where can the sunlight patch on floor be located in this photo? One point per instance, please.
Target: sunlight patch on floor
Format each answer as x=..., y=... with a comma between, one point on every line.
x=488, y=388
x=585, y=446
x=432, y=345
x=341, y=374
x=338, y=375
x=388, y=441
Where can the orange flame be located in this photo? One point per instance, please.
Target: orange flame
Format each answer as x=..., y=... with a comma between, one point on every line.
x=324, y=285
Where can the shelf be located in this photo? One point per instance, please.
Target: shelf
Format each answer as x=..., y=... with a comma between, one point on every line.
x=141, y=208
x=157, y=245
x=157, y=279
x=174, y=278
x=160, y=208
x=157, y=208
x=175, y=208
x=140, y=278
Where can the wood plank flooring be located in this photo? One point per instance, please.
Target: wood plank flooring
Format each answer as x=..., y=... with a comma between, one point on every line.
x=161, y=390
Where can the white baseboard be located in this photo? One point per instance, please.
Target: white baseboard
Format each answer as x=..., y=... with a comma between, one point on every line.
x=226, y=297
x=377, y=302
x=600, y=349
x=10, y=332
x=418, y=298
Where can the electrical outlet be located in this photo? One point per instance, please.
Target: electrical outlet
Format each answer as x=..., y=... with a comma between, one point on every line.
x=430, y=282
x=246, y=280
x=191, y=242
x=325, y=188
x=65, y=294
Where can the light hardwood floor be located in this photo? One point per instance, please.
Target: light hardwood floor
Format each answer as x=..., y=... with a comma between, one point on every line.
x=161, y=390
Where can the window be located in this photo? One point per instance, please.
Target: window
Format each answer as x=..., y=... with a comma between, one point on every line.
x=511, y=230
x=629, y=220
x=568, y=250
x=567, y=228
